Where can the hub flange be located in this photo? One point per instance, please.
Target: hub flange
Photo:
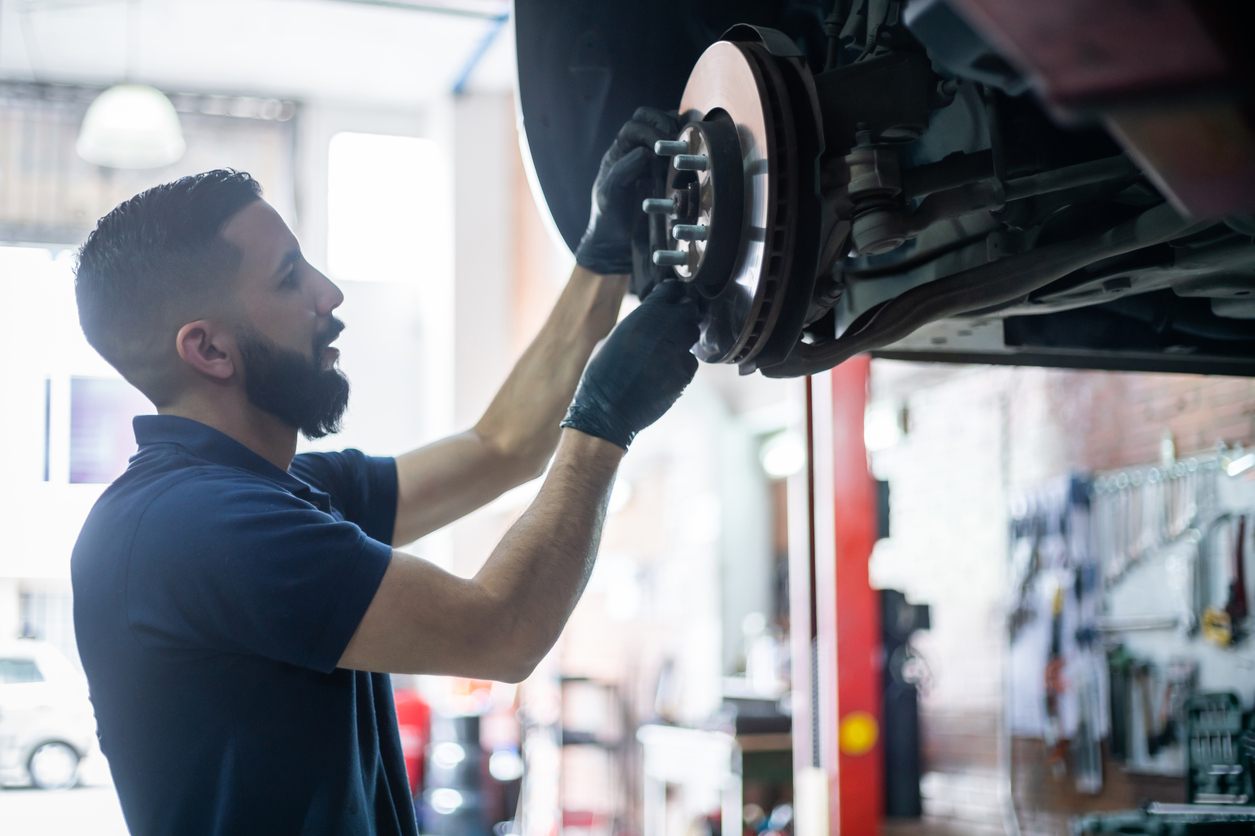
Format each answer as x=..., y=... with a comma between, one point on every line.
x=704, y=204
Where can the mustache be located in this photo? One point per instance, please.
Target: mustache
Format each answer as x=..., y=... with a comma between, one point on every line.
x=326, y=337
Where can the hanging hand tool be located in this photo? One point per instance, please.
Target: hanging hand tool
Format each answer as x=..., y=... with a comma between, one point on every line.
x=1056, y=743
x=1236, y=607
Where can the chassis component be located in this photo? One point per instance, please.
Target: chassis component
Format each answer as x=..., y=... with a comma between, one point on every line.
x=871, y=175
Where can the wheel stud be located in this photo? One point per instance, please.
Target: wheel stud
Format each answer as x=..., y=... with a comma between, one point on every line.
x=659, y=205
x=689, y=232
x=670, y=147
x=670, y=258
x=690, y=162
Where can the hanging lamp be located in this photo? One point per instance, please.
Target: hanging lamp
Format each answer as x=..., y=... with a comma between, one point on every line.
x=131, y=126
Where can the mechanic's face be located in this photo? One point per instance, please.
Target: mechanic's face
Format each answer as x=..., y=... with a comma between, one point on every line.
x=289, y=367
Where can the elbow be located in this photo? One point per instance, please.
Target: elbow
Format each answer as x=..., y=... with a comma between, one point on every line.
x=502, y=648
x=515, y=674
x=528, y=462
x=523, y=459
x=511, y=671
x=516, y=665
x=535, y=467
x=520, y=652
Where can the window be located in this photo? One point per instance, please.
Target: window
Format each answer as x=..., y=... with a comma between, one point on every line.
x=67, y=415
x=18, y=671
x=388, y=211
x=101, y=438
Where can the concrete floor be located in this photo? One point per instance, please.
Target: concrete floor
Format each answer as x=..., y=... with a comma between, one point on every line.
x=82, y=811
x=930, y=827
x=90, y=809
x=955, y=805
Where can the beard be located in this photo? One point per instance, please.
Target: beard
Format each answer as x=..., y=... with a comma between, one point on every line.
x=291, y=387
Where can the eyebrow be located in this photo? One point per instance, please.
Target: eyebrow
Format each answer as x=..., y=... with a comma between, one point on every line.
x=289, y=258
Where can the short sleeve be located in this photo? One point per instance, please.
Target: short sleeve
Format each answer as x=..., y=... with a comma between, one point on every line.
x=239, y=565
x=363, y=488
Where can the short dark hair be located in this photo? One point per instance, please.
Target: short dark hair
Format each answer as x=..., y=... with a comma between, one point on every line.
x=150, y=267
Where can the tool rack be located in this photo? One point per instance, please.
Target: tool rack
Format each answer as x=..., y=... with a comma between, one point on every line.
x=1219, y=755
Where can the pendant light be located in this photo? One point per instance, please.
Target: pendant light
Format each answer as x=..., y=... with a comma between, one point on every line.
x=131, y=125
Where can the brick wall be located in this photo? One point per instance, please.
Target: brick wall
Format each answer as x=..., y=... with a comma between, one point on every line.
x=974, y=437
x=1130, y=413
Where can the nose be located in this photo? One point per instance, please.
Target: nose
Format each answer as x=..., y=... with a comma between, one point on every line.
x=328, y=295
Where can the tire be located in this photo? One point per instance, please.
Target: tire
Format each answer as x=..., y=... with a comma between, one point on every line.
x=53, y=766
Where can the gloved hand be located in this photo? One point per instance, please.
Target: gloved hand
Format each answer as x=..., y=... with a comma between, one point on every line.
x=641, y=369
x=623, y=181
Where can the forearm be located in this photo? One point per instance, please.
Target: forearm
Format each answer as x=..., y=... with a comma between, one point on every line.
x=522, y=420
x=446, y=480
x=511, y=444
x=503, y=621
x=538, y=571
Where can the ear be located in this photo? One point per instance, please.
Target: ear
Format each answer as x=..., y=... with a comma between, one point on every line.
x=208, y=349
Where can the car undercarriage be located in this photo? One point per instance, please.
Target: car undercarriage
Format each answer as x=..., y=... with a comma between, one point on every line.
x=970, y=181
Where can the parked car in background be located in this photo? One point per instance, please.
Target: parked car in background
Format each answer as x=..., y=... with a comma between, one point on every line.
x=47, y=725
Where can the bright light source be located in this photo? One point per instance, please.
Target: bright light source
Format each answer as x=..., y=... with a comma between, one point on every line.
x=783, y=455
x=1241, y=465
x=388, y=209
x=445, y=801
x=447, y=755
x=131, y=126
x=505, y=765
x=620, y=496
x=882, y=426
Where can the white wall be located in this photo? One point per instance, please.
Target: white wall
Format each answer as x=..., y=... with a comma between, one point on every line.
x=397, y=348
x=40, y=520
x=483, y=133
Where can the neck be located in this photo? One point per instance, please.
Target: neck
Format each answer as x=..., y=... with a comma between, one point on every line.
x=259, y=431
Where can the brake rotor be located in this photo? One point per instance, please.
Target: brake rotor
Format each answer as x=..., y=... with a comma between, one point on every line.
x=730, y=78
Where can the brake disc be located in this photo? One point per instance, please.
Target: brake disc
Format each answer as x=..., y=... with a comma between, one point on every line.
x=742, y=196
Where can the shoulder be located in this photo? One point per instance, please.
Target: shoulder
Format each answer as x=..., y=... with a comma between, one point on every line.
x=163, y=520
x=363, y=488
x=212, y=511
x=338, y=469
x=213, y=488
x=325, y=469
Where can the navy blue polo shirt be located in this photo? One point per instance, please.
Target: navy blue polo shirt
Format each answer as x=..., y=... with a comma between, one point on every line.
x=213, y=596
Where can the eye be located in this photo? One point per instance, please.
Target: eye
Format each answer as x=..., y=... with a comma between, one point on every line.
x=289, y=280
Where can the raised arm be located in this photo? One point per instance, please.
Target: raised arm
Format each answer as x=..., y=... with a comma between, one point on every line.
x=515, y=438
x=512, y=442
x=500, y=623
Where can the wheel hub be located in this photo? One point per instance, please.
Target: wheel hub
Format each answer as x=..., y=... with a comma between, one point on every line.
x=703, y=204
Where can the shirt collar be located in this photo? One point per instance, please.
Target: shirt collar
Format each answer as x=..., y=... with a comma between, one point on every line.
x=216, y=447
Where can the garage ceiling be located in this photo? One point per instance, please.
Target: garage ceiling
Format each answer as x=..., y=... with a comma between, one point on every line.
x=368, y=52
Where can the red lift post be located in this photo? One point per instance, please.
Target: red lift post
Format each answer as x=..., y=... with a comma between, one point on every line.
x=837, y=730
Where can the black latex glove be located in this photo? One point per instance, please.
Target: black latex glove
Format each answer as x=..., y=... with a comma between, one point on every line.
x=641, y=369
x=623, y=181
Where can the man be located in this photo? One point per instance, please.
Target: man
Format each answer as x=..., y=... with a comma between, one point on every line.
x=238, y=607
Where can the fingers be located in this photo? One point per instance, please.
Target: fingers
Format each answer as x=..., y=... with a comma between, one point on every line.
x=666, y=292
x=688, y=326
x=676, y=317
x=688, y=362
x=638, y=135
x=678, y=294
x=646, y=127
x=626, y=172
x=664, y=123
